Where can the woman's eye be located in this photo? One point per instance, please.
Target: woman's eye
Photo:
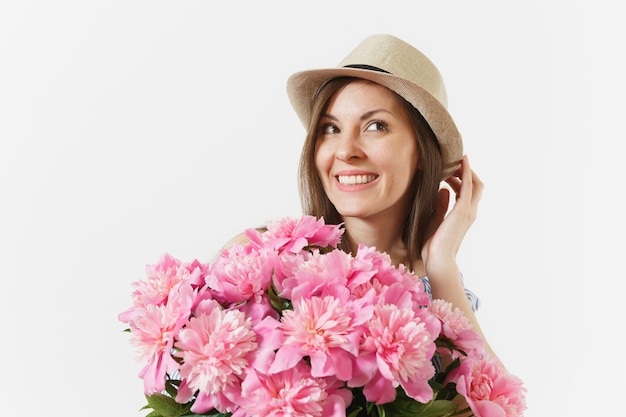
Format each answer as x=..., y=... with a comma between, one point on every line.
x=328, y=129
x=377, y=125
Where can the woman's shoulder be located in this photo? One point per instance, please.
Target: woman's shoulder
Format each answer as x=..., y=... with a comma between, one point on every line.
x=240, y=239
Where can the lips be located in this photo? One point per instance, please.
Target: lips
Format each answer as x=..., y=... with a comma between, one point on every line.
x=356, y=179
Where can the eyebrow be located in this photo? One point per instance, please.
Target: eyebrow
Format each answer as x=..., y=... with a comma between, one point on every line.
x=370, y=113
x=364, y=116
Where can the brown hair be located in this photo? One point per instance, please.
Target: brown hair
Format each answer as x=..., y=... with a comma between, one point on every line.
x=424, y=186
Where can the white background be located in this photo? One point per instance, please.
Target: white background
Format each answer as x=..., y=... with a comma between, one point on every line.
x=133, y=128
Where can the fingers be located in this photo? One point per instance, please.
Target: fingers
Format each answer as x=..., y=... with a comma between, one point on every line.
x=465, y=182
x=449, y=225
x=456, y=180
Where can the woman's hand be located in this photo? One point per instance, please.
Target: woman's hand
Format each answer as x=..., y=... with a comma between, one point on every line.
x=447, y=231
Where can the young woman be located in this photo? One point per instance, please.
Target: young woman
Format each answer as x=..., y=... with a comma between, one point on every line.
x=379, y=144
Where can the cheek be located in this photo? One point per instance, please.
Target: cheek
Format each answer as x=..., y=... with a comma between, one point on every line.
x=322, y=160
x=407, y=166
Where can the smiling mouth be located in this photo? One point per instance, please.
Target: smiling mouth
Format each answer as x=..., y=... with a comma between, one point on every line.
x=355, y=179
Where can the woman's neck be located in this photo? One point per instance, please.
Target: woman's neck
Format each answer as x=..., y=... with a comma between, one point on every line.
x=384, y=235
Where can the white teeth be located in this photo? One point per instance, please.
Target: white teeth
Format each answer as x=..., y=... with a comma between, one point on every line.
x=355, y=179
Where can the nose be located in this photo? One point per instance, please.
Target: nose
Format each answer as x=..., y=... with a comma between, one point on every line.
x=349, y=147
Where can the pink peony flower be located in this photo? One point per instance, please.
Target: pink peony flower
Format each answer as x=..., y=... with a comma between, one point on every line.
x=287, y=266
x=293, y=235
x=292, y=393
x=214, y=348
x=488, y=388
x=385, y=275
x=161, y=278
x=318, y=275
x=241, y=273
x=153, y=330
x=286, y=327
x=397, y=349
x=457, y=328
x=327, y=330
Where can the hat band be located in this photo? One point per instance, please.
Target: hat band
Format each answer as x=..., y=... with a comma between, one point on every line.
x=366, y=67
x=354, y=66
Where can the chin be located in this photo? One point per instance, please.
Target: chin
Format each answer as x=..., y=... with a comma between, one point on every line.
x=352, y=211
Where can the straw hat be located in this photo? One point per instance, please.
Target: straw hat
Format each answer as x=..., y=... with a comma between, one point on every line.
x=393, y=63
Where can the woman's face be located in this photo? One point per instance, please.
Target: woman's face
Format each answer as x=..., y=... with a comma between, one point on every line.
x=366, y=152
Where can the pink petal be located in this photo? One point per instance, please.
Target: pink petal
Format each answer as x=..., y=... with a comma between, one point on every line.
x=341, y=363
x=262, y=359
x=364, y=370
x=320, y=364
x=488, y=409
x=379, y=390
x=202, y=403
x=286, y=358
x=335, y=406
x=267, y=334
x=418, y=389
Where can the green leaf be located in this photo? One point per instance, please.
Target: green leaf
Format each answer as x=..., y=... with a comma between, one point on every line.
x=171, y=387
x=166, y=406
x=405, y=406
x=440, y=408
x=279, y=304
x=435, y=408
x=355, y=413
x=444, y=342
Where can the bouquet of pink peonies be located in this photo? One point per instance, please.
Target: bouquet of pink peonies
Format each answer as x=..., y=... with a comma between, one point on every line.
x=289, y=325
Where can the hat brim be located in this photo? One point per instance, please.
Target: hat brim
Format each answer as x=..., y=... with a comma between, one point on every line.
x=303, y=86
